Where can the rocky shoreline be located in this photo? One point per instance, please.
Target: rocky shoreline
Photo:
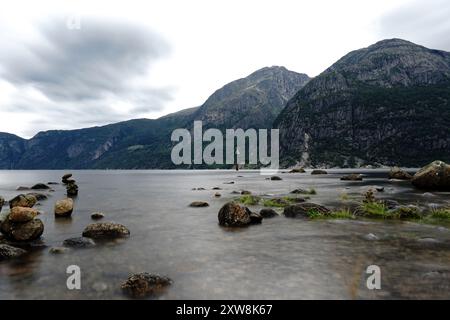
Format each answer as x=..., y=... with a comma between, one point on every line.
x=22, y=228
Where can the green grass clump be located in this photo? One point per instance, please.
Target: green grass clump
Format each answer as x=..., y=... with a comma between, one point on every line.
x=342, y=214
x=278, y=203
x=375, y=209
x=312, y=191
x=440, y=213
x=249, y=200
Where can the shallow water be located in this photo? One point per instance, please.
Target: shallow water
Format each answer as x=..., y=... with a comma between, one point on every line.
x=280, y=259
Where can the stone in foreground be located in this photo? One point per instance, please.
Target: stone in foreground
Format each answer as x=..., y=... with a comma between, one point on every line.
x=435, y=176
x=144, y=284
x=268, y=213
x=233, y=215
x=105, y=230
x=9, y=252
x=22, y=214
x=27, y=231
x=304, y=209
x=23, y=201
x=64, y=208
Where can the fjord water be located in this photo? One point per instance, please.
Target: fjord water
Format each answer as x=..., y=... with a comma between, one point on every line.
x=280, y=259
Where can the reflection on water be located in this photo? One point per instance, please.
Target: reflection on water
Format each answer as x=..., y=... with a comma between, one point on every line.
x=280, y=259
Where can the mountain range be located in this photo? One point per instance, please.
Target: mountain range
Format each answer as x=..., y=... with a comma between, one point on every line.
x=388, y=104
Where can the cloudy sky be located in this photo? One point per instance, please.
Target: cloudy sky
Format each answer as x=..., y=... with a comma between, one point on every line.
x=73, y=64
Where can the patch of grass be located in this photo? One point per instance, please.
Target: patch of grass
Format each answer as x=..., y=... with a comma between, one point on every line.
x=249, y=200
x=440, y=213
x=315, y=214
x=342, y=214
x=278, y=203
x=312, y=191
x=375, y=209
x=344, y=196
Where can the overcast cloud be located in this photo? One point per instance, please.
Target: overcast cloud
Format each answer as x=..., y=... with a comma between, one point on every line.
x=133, y=59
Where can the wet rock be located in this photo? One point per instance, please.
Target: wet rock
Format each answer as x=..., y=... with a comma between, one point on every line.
x=318, y=171
x=299, y=191
x=435, y=176
x=255, y=218
x=64, y=208
x=10, y=252
x=199, y=204
x=304, y=209
x=105, y=230
x=371, y=237
x=352, y=177
x=40, y=186
x=390, y=204
x=235, y=192
x=22, y=188
x=66, y=177
x=72, y=189
x=22, y=214
x=27, y=231
x=144, y=284
x=275, y=178
x=97, y=215
x=38, y=196
x=23, y=201
x=233, y=215
x=217, y=195
x=297, y=170
x=230, y=182
x=58, y=250
x=268, y=213
x=243, y=192
x=379, y=189
x=217, y=188
x=198, y=189
x=79, y=242
x=52, y=183
x=399, y=174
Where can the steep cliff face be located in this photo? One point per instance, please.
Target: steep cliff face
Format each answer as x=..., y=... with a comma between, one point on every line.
x=385, y=104
x=251, y=102
x=254, y=102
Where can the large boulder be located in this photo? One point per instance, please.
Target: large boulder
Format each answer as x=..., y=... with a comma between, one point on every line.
x=305, y=210
x=268, y=213
x=64, y=208
x=72, y=189
x=144, y=284
x=233, y=215
x=9, y=252
x=435, y=176
x=22, y=214
x=399, y=174
x=106, y=230
x=19, y=231
x=23, y=200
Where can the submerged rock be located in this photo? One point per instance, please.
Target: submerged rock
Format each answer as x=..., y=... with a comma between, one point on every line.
x=27, y=231
x=318, y=171
x=105, y=230
x=144, y=284
x=245, y=192
x=10, y=252
x=233, y=215
x=352, y=177
x=217, y=188
x=97, y=215
x=217, y=195
x=304, y=210
x=297, y=170
x=268, y=213
x=79, y=242
x=58, y=250
x=300, y=191
x=435, y=176
x=40, y=186
x=23, y=201
x=255, y=218
x=275, y=178
x=199, y=204
x=22, y=188
x=64, y=208
x=399, y=174
x=22, y=214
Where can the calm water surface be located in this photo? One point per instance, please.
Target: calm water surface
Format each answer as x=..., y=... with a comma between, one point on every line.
x=280, y=259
